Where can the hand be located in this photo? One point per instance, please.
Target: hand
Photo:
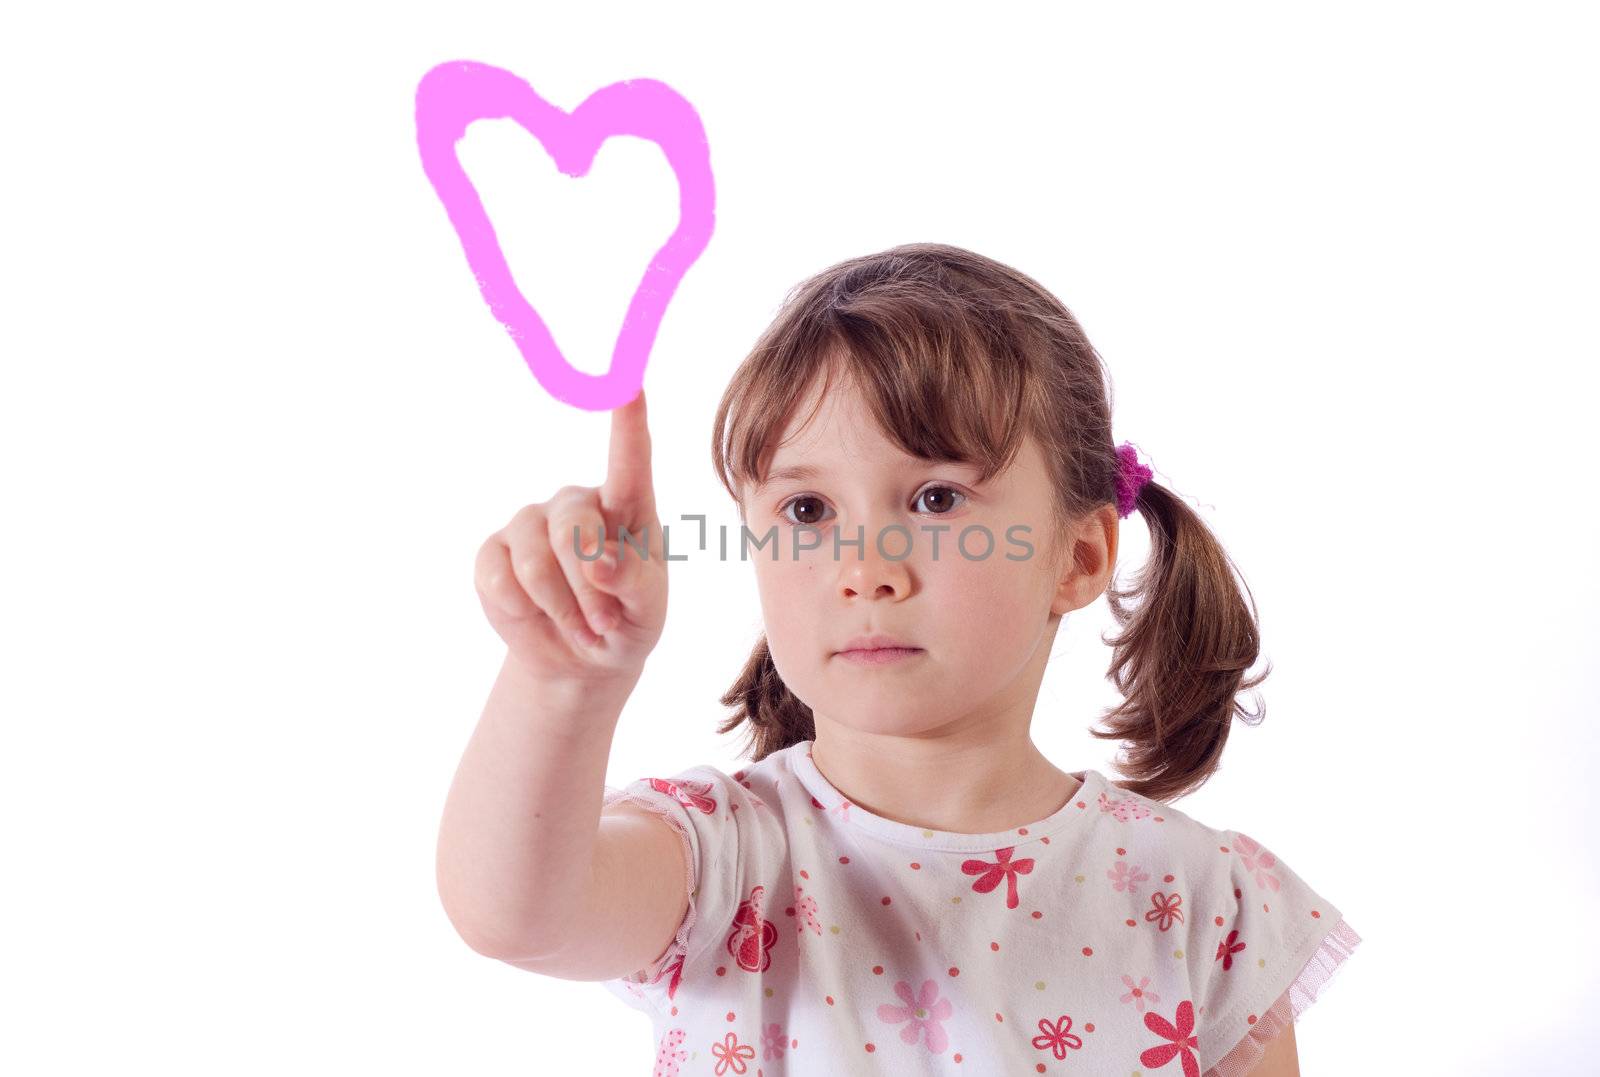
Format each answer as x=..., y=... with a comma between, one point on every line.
x=572, y=620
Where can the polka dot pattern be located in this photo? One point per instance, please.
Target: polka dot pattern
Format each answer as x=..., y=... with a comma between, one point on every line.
x=854, y=925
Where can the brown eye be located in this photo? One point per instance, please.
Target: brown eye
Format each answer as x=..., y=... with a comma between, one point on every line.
x=803, y=499
x=945, y=500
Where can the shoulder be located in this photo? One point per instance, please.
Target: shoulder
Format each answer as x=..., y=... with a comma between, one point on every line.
x=1189, y=843
x=1268, y=942
x=716, y=807
x=1203, y=849
x=1260, y=941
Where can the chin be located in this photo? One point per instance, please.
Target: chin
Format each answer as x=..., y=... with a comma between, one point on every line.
x=892, y=710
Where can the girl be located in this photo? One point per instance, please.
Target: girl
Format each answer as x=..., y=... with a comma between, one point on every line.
x=900, y=882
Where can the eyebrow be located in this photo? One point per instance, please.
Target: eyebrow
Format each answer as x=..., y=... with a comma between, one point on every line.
x=783, y=474
x=808, y=471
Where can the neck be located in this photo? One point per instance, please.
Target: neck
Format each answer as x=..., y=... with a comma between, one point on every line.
x=957, y=781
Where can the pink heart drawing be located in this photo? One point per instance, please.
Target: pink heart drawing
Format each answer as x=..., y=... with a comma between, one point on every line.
x=453, y=94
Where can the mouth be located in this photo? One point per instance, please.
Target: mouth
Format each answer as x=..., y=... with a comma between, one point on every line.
x=879, y=656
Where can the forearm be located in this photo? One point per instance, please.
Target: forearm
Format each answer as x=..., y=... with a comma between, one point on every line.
x=516, y=843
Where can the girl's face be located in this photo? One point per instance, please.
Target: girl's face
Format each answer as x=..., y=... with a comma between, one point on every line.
x=983, y=621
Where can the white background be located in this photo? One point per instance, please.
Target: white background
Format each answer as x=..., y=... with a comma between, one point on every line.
x=256, y=420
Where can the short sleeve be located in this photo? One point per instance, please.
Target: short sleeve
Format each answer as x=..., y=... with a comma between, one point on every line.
x=731, y=841
x=1278, y=944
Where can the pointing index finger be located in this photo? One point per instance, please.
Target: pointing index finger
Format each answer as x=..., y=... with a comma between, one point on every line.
x=628, y=492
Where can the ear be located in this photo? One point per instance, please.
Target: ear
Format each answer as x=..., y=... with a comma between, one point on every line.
x=1086, y=569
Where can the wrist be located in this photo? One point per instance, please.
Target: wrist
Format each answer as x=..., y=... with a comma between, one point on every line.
x=585, y=696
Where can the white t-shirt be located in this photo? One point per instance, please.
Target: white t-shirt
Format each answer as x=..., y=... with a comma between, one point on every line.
x=1117, y=936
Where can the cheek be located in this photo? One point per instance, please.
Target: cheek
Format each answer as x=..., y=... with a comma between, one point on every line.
x=790, y=622
x=992, y=599
x=784, y=590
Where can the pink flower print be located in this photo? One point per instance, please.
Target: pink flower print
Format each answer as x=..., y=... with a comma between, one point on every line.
x=1166, y=909
x=1056, y=1038
x=1226, y=950
x=924, y=1013
x=731, y=1054
x=1182, y=1037
x=1128, y=809
x=1258, y=860
x=670, y=1053
x=753, y=936
x=1138, y=995
x=773, y=1042
x=805, y=907
x=1003, y=868
x=675, y=967
x=1124, y=879
x=689, y=793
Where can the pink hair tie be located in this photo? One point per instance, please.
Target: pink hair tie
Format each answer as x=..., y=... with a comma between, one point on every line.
x=1131, y=478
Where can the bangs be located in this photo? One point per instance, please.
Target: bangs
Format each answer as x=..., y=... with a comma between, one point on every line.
x=944, y=373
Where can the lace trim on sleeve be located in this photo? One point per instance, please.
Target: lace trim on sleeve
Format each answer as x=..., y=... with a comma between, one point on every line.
x=1302, y=992
x=679, y=948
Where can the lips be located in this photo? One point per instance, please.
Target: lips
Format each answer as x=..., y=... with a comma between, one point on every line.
x=878, y=643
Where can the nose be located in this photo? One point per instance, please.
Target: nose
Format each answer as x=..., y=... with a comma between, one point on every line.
x=872, y=574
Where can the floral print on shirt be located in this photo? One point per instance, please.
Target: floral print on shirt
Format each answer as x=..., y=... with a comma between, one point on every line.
x=1118, y=934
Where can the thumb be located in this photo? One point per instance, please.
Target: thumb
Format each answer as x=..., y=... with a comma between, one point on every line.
x=617, y=573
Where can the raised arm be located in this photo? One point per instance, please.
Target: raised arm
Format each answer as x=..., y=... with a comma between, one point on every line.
x=528, y=872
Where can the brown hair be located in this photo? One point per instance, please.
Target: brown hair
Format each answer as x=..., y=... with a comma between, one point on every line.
x=959, y=358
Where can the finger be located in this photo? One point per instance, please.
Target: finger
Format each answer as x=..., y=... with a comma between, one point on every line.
x=539, y=574
x=498, y=589
x=618, y=574
x=496, y=583
x=628, y=494
x=576, y=524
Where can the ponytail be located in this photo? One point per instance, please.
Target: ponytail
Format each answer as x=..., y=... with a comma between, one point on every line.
x=1182, y=655
x=777, y=717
